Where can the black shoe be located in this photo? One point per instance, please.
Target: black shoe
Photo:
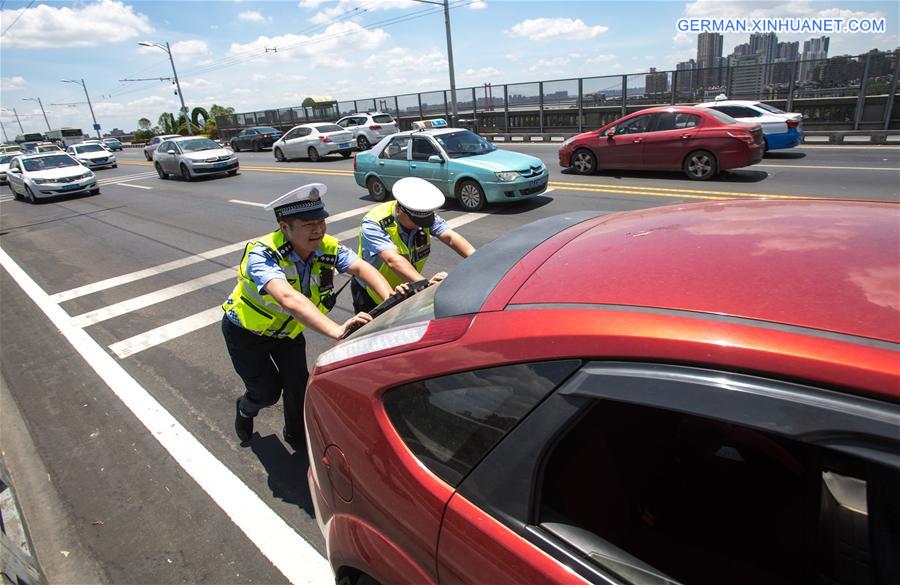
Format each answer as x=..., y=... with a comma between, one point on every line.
x=296, y=442
x=243, y=425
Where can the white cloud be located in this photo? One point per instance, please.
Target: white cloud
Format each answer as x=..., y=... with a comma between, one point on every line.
x=400, y=60
x=254, y=16
x=512, y=56
x=602, y=58
x=153, y=101
x=241, y=90
x=189, y=49
x=11, y=83
x=199, y=84
x=554, y=63
x=318, y=49
x=353, y=8
x=483, y=72
x=47, y=27
x=478, y=5
x=562, y=29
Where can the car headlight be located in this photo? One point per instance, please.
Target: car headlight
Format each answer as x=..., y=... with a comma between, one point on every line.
x=507, y=175
x=86, y=175
x=211, y=159
x=43, y=181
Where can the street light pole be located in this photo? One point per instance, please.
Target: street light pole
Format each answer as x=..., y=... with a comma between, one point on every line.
x=168, y=50
x=5, y=137
x=93, y=117
x=446, y=5
x=18, y=121
x=38, y=100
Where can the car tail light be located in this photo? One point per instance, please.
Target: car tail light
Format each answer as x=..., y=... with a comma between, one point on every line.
x=745, y=136
x=324, y=139
x=375, y=127
x=793, y=124
x=354, y=163
x=391, y=341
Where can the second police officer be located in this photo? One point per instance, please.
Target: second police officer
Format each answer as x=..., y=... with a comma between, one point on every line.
x=395, y=238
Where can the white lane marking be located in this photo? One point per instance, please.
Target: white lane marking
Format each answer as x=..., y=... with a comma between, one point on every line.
x=6, y=198
x=251, y=203
x=288, y=551
x=335, y=217
x=894, y=169
x=548, y=190
x=120, y=178
x=135, y=186
x=145, y=273
x=159, y=296
x=154, y=337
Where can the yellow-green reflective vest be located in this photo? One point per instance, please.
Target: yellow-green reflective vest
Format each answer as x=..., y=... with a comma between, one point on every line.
x=385, y=216
x=261, y=313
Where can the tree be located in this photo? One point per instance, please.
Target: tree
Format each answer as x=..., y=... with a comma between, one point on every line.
x=144, y=124
x=167, y=123
x=216, y=110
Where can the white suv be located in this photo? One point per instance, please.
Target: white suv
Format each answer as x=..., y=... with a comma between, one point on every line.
x=369, y=128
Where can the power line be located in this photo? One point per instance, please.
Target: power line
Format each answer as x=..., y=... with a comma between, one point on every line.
x=17, y=18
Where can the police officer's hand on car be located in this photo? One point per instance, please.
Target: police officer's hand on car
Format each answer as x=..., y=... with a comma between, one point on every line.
x=354, y=322
x=437, y=278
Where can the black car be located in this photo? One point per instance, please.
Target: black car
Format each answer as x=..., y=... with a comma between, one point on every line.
x=255, y=138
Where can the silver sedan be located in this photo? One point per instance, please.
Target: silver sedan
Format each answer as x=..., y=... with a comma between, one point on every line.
x=313, y=141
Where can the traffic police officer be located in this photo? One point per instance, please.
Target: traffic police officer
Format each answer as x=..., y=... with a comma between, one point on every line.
x=396, y=236
x=285, y=284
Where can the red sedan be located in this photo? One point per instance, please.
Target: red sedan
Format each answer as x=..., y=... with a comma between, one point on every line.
x=699, y=393
x=700, y=142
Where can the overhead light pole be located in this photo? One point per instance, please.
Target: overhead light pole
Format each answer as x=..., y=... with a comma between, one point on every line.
x=38, y=100
x=446, y=5
x=18, y=121
x=168, y=51
x=2, y=127
x=93, y=117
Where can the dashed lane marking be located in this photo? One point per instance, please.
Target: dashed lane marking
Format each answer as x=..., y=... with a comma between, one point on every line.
x=135, y=186
x=297, y=560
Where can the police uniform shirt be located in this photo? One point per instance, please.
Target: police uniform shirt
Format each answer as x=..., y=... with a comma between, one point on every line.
x=261, y=267
x=375, y=240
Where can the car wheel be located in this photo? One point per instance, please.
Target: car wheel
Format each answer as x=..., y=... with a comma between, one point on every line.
x=363, y=143
x=377, y=190
x=584, y=162
x=234, y=146
x=314, y=155
x=471, y=196
x=29, y=195
x=345, y=153
x=257, y=147
x=15, y=193
x=162, y=174
x=279, y=156
x=233, y=172
x=700, y=165
x=148, y=156
x=95, y=191
x=115, y=166
x=186, y=174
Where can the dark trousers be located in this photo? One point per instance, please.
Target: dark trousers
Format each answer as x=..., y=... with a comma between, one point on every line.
x=267, y=366
x=362, y=302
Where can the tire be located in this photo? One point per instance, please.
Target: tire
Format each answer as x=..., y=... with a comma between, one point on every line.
x=232, y=172
x=115, y=166
x=345, y=153
x=186, y=174
x=279, y=156
x=700, y=165
x=377, y=190
x=29, y=195
x=314, y=155
x=363, y=143
x=95, y=191
x=148, y=156
x=584, y=162
x=162, y=174
x=15, y=193
x=257, y=147
x=234, y=146
x=471, y=196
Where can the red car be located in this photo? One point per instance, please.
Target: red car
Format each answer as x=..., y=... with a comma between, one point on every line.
x=699, y=393
x=698, y=141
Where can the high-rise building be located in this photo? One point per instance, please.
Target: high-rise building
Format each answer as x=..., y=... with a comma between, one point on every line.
x=788, y=51
x=686, y=77
x=709, y=55
x=748, y=77
x=765, y=44
x=814, y=52
x=656, y=83
x=742, y=49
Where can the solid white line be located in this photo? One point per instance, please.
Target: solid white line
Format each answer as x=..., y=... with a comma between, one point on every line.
x=169, y=331
x=288, y=551
x=335, y=217
x=130, y=185
x=894, y=169
x=251, y=203
x=147, y=272
x=159, y=296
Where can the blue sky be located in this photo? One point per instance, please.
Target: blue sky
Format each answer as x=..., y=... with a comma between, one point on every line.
x=343, y=48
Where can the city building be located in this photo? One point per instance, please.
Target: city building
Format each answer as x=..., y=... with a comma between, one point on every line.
x=814, y=52
x=765, y=44
x=709, y=58
x=748, y=77
x=686, y=77
x=788, y=51
x=656, y=83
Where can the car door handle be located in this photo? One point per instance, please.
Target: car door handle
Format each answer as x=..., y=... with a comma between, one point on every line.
x=686, y=136
x=412, y=166
x=636, y=140
x=381, y=164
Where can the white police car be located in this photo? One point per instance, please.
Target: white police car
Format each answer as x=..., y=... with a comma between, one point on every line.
x=780, y=129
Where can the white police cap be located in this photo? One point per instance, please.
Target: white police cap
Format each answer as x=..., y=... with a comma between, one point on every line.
x=417, y=195
x=303, y=202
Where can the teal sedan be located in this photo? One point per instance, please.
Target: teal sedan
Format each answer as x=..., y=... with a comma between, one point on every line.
x=462, y=164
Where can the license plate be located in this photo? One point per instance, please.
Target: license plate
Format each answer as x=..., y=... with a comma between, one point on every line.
x=71, y=187
x=220, y=165
x=344, y=145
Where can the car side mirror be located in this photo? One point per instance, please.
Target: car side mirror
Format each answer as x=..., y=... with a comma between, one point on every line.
x=13, y=171
x=436, y=159
x=170, y=152
x=610, y=133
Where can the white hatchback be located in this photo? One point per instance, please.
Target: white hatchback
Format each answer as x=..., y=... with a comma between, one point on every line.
x=93, y=155
x=368, y=129
x=780, y=129
x=38, y=176
x=313, y=141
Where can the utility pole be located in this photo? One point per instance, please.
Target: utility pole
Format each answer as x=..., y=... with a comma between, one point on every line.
x=38, y=100
x=168, y=50
x=446, y=4
x=18, y=121
x=5, y=137
x=93, y=117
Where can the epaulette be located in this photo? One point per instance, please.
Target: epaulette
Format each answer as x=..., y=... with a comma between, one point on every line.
x=284, y=250
x=330, y=259
x=384, y=223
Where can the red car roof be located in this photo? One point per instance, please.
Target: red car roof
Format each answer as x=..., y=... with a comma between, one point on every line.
x=827, y=265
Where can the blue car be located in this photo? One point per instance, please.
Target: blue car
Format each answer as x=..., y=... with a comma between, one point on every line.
x=462, y=164
x=780, y=129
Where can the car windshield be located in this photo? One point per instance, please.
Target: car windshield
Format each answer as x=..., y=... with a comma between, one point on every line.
x=267, y=130
x=769, y=108
x=50, y=162
x=415, y=309
x=48, y=148
x=4, y=159
x=111, y=141
x=195, y=144
x=724, y=118
x=382, y=119
x=464, y=143
x=89, y=148
x=329, y=128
